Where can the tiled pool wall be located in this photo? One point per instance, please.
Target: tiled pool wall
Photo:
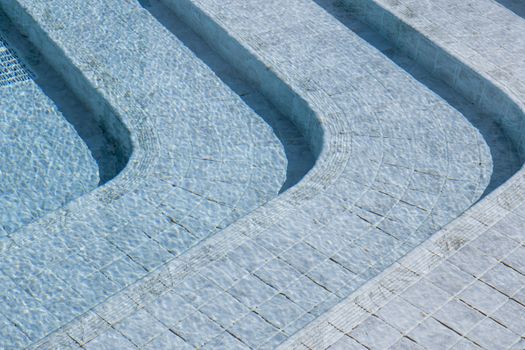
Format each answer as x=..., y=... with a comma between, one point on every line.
x=496, y=101
x=266, y=80
x=298, y=153
x=116, y=135
x=314, y=122
x=491, y=101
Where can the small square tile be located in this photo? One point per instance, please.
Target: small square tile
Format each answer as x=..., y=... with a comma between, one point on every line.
x=375, y=333
x=331, y=275
x=280, y=311
x=175, y=241
x=250, y=256
x=303, y=257
x=198, y=290
x=140, y=327
x=128, y=238
x=278, y=273
x=170, y=308
x=425, y=296
x=298, y=324
x=491, y=335
x=458, y=316
x=472, y=261
x=325, y=305
x=168, y=341
x=512, y=226
x=251, y=291
x=482, y=297
x=225, y=341
x=504, y=279
x=346, y=343
x=224, y=272
x=465, y=344
x=253, y=330
x=225, y=310
x=433, y=335
x=150, y=255
x=109, y=341
x=520, y=296
x=401, y=314
x=512, y=316
x=273, y=342
x=519, y=345
x=494, y=244
x=449, y=278
x=111, y=309
x=124, y=271
x=516, y=260
x=197, y=329
x=406, y=344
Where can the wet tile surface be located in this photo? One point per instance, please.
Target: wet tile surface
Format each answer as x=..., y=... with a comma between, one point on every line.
x=218, y=161
x=396, y=162
x=475, y=276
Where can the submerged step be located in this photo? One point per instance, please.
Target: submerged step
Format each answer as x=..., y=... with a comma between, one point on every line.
x=199, y=159
x=51, y=148
x=394, y=163
x=504, y=151
x=299, y=156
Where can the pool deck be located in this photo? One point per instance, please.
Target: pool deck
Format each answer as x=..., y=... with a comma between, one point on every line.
x=347, y=258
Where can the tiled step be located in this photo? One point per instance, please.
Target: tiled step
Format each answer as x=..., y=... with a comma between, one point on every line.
x=45, y=163
x=466, y=283
x=390, y=154
x=200, y=158
x=298, y=154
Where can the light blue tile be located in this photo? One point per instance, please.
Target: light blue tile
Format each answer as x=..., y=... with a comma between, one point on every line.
x=140, y=328
x=253, y=330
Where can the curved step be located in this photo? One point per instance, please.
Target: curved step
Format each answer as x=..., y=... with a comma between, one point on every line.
x=200, y=159
x=514, y=5
x=477, y=257
x=380, y=187
x=52, y=148
x=298, y=154
x=505, y=157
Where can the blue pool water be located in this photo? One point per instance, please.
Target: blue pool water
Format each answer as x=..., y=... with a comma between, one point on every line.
x=217, y=161
x=505, y=158
x=214, y=149
x=45, y=163
x=300, y=157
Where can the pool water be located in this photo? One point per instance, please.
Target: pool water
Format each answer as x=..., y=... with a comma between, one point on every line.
x=216, y=152
x=298, y=153
x=45, y=163
x=52, y=149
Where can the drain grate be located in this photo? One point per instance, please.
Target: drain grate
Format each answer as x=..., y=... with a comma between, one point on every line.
x=12, y=70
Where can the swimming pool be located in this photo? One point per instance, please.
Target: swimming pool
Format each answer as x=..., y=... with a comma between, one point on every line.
x=195, y=163
x=53, y=150
x=394, y=163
